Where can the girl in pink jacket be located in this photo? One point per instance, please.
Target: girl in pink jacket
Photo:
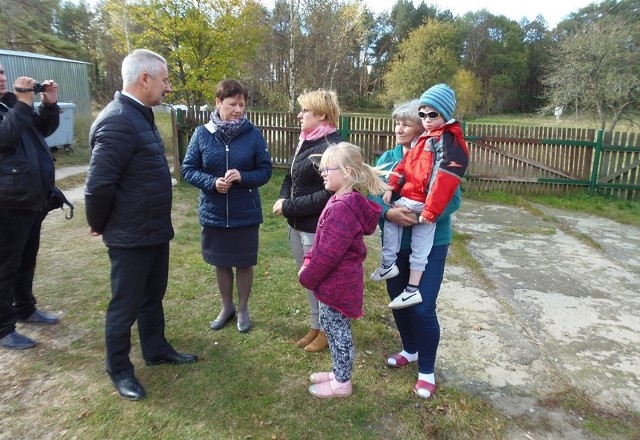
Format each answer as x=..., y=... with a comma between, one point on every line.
x=333, y=267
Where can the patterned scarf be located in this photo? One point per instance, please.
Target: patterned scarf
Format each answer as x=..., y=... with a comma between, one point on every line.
x=229, y=128
x=319, y=132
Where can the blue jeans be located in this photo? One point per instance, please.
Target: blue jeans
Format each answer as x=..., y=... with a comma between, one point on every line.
x=19, y=245
x=418, y=325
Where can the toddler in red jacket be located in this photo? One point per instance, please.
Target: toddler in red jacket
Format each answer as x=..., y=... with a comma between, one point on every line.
x=426, y=178
x=333, y=267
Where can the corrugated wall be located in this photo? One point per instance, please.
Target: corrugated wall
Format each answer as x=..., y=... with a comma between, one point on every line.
x=72, y=76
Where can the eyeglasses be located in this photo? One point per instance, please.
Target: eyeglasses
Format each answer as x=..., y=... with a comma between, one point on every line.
x=326, y=170
x=430, y=115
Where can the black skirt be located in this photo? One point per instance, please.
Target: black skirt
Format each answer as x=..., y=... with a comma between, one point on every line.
x=230, y=247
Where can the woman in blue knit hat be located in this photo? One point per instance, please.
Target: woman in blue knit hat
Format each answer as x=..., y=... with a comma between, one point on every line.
x=428, y=178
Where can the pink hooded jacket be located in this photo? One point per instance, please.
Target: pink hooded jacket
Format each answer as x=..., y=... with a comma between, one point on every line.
x=333, y=266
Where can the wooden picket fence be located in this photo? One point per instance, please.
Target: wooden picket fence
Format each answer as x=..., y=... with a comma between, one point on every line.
x=515, y=159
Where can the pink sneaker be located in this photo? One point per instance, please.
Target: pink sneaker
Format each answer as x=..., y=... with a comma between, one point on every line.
x=322, y=377
x=333, y=388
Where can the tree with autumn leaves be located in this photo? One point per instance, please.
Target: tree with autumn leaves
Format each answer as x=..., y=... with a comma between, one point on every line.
x=588, y=63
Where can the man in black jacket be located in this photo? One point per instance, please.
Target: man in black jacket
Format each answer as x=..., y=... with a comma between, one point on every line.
x=128, y=202
x=26, y=179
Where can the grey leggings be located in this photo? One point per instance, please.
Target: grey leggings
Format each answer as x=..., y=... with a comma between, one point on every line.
x=338, y=329
x=300, y=243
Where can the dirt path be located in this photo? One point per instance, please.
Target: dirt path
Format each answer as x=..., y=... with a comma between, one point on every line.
x=562, y=316
x=63, y=172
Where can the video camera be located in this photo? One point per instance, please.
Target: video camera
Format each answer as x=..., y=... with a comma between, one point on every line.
x=37, y=88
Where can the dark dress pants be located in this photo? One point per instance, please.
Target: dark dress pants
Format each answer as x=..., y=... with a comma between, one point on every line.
x=138, y=284
x=19, y=245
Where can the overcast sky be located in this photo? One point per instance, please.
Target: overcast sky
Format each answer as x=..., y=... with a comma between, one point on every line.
x=552, y=10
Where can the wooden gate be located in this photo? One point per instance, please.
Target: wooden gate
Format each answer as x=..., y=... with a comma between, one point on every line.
x=528, y=160
x=550, y=160
x=617, y=164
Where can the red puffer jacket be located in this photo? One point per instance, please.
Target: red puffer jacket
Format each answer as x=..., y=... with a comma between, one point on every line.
x=433, y=169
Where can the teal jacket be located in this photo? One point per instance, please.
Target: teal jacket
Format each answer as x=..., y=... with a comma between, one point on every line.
x=443, y=234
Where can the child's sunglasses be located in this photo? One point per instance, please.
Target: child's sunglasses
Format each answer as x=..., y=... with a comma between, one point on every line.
x=430, y=115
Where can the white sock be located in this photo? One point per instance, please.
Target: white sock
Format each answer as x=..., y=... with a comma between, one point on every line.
x=410, y=357
x=431, y=378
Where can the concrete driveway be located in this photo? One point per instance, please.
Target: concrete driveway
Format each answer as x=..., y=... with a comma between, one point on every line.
x=557, y=315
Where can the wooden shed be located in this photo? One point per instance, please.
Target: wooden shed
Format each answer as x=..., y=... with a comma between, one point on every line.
x=72, y=76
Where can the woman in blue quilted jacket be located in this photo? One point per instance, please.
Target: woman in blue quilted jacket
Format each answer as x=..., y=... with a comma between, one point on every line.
x=228, y=160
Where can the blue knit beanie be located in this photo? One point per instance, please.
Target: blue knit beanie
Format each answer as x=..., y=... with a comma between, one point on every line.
x=441, y=98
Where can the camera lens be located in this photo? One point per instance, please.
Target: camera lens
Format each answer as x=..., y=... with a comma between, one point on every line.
x=37, y=88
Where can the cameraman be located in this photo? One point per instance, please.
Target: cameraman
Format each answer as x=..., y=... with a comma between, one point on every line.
x=26, y=178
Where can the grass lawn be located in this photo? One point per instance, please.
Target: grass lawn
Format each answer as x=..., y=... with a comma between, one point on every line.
x=245, y=386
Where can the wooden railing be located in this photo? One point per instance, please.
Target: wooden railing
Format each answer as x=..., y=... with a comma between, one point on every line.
x=515, y=159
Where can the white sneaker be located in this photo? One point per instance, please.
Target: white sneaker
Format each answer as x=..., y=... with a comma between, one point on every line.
x=384, y=273
x=406, y=299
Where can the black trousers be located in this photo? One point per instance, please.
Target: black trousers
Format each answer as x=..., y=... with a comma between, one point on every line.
x=19, y=245
x=138, y=284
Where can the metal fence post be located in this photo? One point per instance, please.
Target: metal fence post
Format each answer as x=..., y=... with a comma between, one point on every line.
x=593, y=184
x=174, y=145
x=344, y=130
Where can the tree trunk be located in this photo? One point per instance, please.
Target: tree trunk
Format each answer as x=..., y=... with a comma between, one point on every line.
x=616, y=116
x=293, y=12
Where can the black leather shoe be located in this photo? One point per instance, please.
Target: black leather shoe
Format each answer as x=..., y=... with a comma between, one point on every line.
x=41, y=318
x=16, y=341
x=217, y=324
x=174, y=359
x=129, y=388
